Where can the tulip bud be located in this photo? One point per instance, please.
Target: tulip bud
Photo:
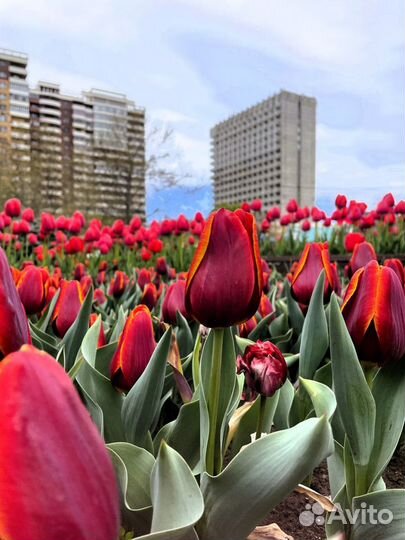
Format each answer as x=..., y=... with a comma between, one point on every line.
x=149, y=295
x=14, y=329
x=247, y=327
x=314, y=259
x=56, y=478
x=363, y=253
x=135, y=348
x=225, y=280
x=374, y=311
x=264, y=367
x=118, y=284
x=174, y=301
x=31, y=288
x=67, y=307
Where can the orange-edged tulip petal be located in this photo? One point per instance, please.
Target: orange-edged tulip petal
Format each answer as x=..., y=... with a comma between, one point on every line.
x=135, y=348
x=314, y=259
x=374, y=311
x=56, y=478
x=31, y=288
x=224, y=283
x=174, y=301
x=67, y=307
x=14, y=329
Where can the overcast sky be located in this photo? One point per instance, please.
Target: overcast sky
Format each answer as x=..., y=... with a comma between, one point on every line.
x=192, y=63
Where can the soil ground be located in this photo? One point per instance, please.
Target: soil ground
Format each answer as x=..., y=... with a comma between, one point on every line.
x=286, y=514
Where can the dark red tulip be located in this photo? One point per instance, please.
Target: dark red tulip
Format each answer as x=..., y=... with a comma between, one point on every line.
x=144, y=277
x=174, y=301
x=225, y=281
x=135, y=348
x=247, y=327
x=14, y=329
x=102, y=340
x=67, y=307
x=149, y=295
x=314, y=259
x=362, y=254
x=256, y=205
x=56, y=478
x=398, y=267
x=264, y=367
x=118, y=284
x=341, y=201
x=31, y=287
x=292, y=206
x=12, y=208
x=265, y=306
x=374, y=311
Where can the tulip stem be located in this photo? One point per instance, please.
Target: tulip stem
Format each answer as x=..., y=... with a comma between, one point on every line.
x=259, y=428
x=213, y=400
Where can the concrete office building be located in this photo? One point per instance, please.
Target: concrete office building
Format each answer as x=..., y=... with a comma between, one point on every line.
x=82, y=152
x=266, y=152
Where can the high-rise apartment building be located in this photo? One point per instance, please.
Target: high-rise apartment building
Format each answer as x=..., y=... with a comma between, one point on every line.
x=266, y=152
x=78, y=152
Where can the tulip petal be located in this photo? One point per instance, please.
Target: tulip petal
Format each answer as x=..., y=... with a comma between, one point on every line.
x=389, y=315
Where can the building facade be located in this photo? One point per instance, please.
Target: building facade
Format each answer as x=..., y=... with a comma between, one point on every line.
x=67, y=152
x=266, y=152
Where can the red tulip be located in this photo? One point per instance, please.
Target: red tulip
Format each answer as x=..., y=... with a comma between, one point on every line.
x=67, y=307
x=264, y=367
x=256, y=205
x=314, y=259
x=400, y=208
x=182, y=224
x=352, y=239
x=306, y=225
x=31, y=288
x=149, y=296
x=362, y=254
x=118, y=284
x=12, y=207
x=56, y=478
x=265, y=306
x=225, y=281
x=398, y=267
x=135, y=348
x=14, y=329
x=341, y=201
x=102, y=340
x=247, y=327
x=292, y=206
x=374, y=310
x=174, y=301
x=28, y=215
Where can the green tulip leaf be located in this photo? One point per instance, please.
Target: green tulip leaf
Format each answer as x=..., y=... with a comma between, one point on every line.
x=294, y=311
x=389, y=395
x=282, y=413
x=143, y=400
x=314, y=339
x=176, y=497
x=390, y=501
x=322, y=397
x=73, y=338
x=184, y=336
x=355, y=401
x=107, y=398
x=263, y=474
x=90, y=342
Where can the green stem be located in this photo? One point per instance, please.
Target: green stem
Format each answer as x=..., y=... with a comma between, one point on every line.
x=259, y=428
x=213, y=400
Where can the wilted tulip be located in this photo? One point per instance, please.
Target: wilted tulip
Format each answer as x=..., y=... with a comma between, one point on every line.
x=135, y=348
x=31, y=288
x=314, y=259
x=264, y=367
x=67, y=307
x=56, y=478
x=174, y=301
x=225, y=281
x=374, y=310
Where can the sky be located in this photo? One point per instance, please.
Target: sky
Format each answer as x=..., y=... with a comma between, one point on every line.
x=193, y=63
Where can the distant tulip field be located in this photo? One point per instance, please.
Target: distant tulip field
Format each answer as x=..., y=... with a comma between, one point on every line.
x=170, y=381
